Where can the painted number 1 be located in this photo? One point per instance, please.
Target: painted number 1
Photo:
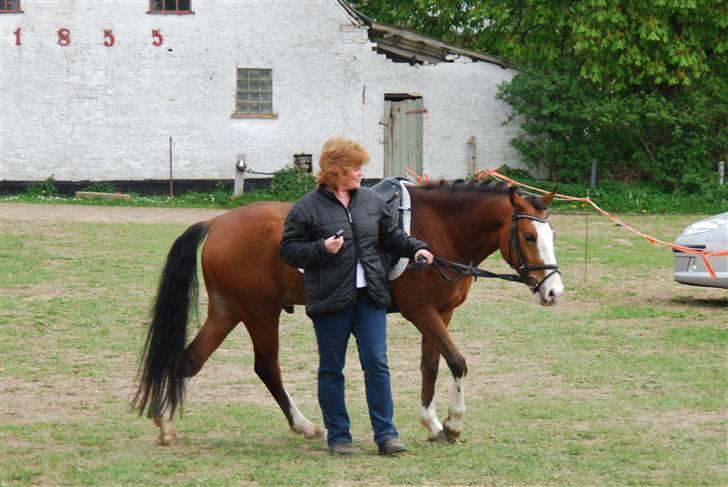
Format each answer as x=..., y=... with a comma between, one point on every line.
x=17, y=36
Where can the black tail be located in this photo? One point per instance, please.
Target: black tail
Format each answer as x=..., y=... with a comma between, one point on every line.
x=162, y=372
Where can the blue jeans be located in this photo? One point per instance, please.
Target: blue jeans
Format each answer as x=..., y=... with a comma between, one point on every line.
x=368, y=324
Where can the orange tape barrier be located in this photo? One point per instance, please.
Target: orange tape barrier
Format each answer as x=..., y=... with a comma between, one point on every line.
x=492, y=173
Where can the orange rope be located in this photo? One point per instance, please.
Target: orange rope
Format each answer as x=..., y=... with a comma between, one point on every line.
x=492, y=173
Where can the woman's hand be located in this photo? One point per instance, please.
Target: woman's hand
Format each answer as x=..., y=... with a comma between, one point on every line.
x=333, y=244
x=424, y=254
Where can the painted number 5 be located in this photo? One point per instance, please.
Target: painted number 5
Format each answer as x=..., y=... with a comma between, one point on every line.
x=108, y=38
x=158, y=39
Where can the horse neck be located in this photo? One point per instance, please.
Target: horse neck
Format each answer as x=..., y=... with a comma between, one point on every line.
x=460, y=226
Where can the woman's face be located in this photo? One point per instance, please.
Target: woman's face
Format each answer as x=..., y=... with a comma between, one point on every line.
x=352, y=179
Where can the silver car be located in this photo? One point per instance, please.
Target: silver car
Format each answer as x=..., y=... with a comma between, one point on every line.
x=708, y=234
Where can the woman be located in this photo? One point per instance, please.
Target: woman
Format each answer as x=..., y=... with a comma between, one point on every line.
x=337, y=234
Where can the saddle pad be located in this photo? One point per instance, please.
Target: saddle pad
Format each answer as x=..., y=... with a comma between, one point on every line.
x=405, y=208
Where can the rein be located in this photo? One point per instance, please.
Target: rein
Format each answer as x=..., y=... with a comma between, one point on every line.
x=444, y=266
x=462, y=270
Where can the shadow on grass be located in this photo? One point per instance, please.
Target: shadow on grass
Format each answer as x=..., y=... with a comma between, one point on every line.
x=716, y=302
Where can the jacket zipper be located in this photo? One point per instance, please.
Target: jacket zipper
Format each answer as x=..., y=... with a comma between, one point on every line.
x=356, y=244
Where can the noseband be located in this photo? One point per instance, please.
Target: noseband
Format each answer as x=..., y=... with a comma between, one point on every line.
x=524, y=268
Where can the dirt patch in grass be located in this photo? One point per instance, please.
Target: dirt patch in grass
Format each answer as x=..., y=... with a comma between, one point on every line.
x=58, y=400
x=43, y=290
x=706, y=421
x=104, y=214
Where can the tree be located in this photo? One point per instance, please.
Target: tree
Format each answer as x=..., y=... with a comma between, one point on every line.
x=641, y=86
x=618, y=44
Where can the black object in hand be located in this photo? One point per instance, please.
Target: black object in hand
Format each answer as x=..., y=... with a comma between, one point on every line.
x=339, y=233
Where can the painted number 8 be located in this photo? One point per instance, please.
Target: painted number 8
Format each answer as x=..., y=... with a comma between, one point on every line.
x=64, y=37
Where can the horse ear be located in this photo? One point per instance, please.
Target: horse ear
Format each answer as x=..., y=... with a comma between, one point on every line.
x=548, y=197
x=516, y=199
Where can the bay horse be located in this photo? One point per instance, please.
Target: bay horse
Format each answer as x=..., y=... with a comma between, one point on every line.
x=247, y=282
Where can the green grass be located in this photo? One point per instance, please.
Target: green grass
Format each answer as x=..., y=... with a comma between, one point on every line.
x=623, y=383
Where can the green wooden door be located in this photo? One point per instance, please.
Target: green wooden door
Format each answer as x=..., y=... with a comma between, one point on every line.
x=402, y=136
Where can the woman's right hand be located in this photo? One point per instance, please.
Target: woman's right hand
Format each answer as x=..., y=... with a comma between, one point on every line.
x=333, y=244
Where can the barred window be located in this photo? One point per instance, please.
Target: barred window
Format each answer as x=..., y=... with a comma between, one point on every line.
x=10, y=6
x=254, y=95
x=170, y=6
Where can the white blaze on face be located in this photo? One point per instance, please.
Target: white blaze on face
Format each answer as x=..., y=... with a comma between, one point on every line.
x=552, y=288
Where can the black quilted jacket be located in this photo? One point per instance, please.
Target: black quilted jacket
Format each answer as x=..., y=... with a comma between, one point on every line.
x=330, y=279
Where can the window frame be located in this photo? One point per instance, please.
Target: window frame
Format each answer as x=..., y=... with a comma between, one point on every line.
x=17, y=10
x=238, y=91
x=164, y=11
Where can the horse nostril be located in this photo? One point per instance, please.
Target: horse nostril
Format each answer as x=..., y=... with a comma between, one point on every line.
x=552, y=294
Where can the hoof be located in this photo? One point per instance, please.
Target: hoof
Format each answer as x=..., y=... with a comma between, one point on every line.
x=439, y=437
x=317, y=434
x=312, y=433
x=450, y=434
x=168, y=440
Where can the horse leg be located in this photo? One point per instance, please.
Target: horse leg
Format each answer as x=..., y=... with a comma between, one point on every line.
x=210, y=336
x=263, y=331
x=433, y=326
x=429, y=366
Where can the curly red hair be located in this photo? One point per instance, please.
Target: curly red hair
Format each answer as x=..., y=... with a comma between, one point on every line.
x=339, y=155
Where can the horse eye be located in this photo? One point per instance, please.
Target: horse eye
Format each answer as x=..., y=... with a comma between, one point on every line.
x=530, y=237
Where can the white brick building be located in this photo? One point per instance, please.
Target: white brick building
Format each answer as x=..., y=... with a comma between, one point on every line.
x=91, y=111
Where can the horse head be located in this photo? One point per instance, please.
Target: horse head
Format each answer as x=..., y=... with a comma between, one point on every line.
x=527, y=244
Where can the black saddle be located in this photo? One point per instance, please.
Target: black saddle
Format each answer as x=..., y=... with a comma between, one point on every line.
x=390, y=190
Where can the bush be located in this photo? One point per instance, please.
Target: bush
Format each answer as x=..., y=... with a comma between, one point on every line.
x=45, y=188
x=673, y=140
x=290, y=184
x=616, y=196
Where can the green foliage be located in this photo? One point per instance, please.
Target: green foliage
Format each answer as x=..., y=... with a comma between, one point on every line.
x=46, y=188
x=644, y=136
x=101, y=187
x=640, y=86
x=618, y=45
x=290, y=184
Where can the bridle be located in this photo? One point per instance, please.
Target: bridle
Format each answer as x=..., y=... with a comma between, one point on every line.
x=447, y=268
x=524, y=269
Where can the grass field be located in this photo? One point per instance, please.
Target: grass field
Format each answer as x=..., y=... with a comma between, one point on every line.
x=623, y=383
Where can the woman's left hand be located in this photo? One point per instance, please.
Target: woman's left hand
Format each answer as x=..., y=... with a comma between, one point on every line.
x=424, y=254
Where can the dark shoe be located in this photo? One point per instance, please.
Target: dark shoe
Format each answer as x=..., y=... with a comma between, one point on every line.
x=392, y=446
x=343, y=448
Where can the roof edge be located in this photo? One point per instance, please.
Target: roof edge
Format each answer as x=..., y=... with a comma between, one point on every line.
x=355, y=14
x=377, y=31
